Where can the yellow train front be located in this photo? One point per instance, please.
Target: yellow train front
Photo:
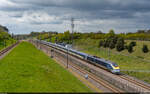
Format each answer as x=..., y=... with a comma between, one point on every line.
x=111, y=66
x=115, y=68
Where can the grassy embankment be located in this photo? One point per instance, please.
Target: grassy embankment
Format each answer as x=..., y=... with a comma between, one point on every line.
x=8, y=43
x=133, y=61
x=27, y=69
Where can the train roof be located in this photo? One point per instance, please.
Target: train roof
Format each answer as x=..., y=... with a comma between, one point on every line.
x=106, y=61
x=83, y=53
x=79, y=52
x=100, y=59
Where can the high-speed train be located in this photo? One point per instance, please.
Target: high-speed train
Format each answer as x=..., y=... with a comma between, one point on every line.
x=111, y=66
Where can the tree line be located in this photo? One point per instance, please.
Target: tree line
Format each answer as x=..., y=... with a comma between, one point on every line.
x=113, y=41
x=67, y=35
x=107, y=40
x=5, y=36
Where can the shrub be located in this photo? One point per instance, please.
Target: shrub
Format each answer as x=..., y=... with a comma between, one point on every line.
x=132, y=43
x=101, y=43
x=130, y=48
x=120, y=44
x=145, y=49
x=105, y=44
x=112, y=45
x=126, y=47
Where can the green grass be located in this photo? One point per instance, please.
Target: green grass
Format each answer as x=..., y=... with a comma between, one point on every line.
x=131, y=62
x=26, y=69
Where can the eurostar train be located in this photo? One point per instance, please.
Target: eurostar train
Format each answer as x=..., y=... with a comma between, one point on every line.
x=110, y=66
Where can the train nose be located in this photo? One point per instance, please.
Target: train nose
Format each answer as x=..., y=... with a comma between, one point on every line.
x=116, y=71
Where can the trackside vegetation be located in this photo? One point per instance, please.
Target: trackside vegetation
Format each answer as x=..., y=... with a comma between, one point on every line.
x=27, y=69
x=5, y=38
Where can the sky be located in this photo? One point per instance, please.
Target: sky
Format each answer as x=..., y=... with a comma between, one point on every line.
x=25, y=16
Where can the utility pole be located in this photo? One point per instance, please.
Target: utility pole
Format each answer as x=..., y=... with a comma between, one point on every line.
x=72, y=27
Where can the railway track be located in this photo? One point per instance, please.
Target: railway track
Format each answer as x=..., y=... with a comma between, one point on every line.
x=7, y=49
x=123, y=77
x=97, y=79
x=90, y=75
x=135, y=82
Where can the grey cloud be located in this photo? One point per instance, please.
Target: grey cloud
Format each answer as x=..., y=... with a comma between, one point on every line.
x=87, y=5
x=133, y=11
x=101, y=8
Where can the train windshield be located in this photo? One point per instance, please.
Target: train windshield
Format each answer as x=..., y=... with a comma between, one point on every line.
x=115, y=65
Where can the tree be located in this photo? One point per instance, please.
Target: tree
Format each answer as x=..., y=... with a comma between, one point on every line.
x=99, y=32
x=120, y=44
x=145, y=49
x=126, y=47
x=108, y=42
x=67, y=37
x=101, y=43
x=110, y=34
x=112, y=45
x=132, y=43
x=130, y=48
x=141, y=31
x=115, y=38
x=148, y=31
x=105, y=44
x=4, y=29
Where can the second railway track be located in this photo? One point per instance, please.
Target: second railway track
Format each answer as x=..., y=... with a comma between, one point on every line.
x=97, y=79
x=135, y=82
x=8, y=48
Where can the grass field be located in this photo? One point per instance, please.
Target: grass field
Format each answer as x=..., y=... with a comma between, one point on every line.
x=126, y=61
x=27, y=69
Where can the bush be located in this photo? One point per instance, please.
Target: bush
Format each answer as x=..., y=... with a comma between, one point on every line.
x=112, y=45
x=130, y=48
x=101, y=43
x=120, y=44
x=126, y=47
x=108, y=42
x=105, y=44
x=132, y=43
x=145, y=49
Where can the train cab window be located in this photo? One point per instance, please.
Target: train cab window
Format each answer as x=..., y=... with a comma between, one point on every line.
x=115, y=65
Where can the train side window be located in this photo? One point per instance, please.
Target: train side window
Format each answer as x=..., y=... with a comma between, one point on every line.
x=93, y=59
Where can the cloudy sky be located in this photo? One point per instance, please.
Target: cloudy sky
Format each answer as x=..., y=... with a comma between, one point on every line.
x=24, y=16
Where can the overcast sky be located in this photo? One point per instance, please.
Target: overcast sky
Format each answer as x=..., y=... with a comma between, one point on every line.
x=24, y=16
